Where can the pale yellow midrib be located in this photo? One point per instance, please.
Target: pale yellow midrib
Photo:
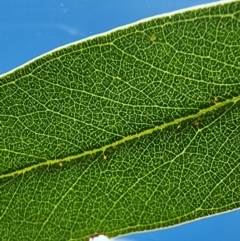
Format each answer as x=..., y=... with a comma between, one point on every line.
x=127, y=138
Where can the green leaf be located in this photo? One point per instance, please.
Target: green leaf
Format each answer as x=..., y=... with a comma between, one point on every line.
x=132, y=130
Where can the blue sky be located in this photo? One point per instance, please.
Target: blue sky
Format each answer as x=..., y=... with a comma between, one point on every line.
x=29, y=28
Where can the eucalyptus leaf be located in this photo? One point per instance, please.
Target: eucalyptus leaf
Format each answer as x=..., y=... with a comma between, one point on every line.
x=131, y=130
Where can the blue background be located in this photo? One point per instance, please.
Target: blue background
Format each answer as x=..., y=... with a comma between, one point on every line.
x=29, y=28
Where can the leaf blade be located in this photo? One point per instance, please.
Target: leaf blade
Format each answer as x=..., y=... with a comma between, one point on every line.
x=112, y=106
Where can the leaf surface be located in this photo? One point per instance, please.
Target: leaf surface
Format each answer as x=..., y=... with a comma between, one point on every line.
x=132, y=130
